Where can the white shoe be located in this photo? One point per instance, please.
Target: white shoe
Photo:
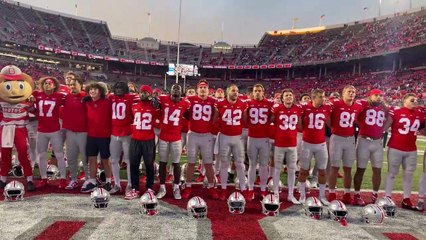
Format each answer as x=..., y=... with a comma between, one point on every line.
x=324, y=201
x=115, y=189
x=161, y=193
x=176, y=194
x=293, y=200
x=302, y=199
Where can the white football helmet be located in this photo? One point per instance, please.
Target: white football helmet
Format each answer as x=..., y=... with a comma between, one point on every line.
x=387, y=204
x=373, y=214
x=14, y=191
x=148, y=204
x=337, y=211
x=197, y=208
x=313, y=208
x=100, y=198
x=237, y=183
x=271, y=205
x=271, y=185
x=236, y=203
x=52, y=172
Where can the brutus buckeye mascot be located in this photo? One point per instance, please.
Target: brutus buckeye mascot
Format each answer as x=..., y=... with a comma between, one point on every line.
x=15, y=88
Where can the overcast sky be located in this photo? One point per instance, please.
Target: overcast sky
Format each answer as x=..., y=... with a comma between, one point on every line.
x=244, y=21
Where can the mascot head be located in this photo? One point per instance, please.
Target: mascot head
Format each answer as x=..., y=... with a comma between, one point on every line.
x=15, y=86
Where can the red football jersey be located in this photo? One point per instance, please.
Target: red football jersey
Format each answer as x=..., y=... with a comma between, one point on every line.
x=201, y=114
x=405, y=124
x=74, y=107
x=99, y=118
x=144, y=115
x=14, y=114
x=258, y=113
x=121, y=114
x=371, y=120
x=343, y=117
x=48, y=110
x=286, y=120
x=230, y=116
x=171, y=118
x=313, y=121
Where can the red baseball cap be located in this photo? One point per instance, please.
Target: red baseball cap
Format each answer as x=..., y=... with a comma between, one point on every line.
x=146, y=88
x=219, y=89
x=376, y=92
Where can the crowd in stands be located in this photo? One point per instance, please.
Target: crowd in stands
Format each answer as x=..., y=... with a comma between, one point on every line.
x=394, y=84
x=24, y=25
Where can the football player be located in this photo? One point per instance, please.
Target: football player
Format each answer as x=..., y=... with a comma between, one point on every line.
x=402, y=150
x=230, y=112
x=369, y=143
x=48, y=101
x=342, y=141
x=200, y=138
x=259, y=111
x=173, y=107
x=315, y=115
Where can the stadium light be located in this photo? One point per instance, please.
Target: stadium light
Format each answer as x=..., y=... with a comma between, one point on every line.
x=380, y=8
x=178, y=42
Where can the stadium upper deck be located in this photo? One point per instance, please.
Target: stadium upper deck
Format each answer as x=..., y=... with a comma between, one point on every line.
x=56, y=31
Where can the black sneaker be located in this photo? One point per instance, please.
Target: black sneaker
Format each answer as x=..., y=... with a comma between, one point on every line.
x=88, y=188
x=107, y=186
x=30, y=186
x=2, y=184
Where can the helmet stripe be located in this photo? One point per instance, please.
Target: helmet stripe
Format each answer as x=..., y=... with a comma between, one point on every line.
x=14, y=183
x=199, y=201
x=150, y=195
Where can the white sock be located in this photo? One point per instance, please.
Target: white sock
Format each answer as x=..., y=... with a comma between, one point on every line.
x=116, y=171
x=390, y=179
x=322, y=190
x=302, y=188
x=291, y=178
x=223, y=175
x=29, y=178
x=332, y=190
x=356, y=192
x=347, y=190
x=188, y=184
x=108, y=180
x=422, y=186
x=61, y=164
x=3, y=178
x=241, y=175
x=263, y=175
x=251, y=176
x=407, y=184
x=271, y=171
x=163, y=186
x=175, y=186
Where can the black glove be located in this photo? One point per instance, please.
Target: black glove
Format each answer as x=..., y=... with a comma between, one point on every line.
x=186, y=115
x=155, y=103
x=86, y=99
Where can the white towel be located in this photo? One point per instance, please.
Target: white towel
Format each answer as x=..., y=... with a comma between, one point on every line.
x=8, y=136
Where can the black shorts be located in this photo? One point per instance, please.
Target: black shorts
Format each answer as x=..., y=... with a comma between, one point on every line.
x=95, y=146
